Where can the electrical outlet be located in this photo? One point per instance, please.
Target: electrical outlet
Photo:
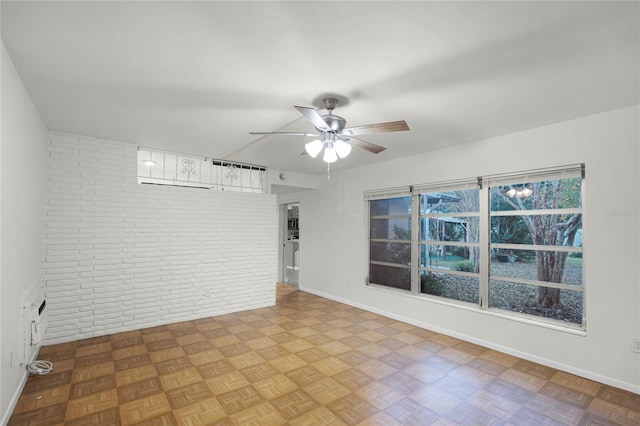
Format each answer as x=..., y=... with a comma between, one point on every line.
x=636, y=346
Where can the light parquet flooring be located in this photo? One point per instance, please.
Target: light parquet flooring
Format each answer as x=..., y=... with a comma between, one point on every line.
x=306, y=361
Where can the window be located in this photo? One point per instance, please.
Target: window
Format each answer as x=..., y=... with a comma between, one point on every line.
x=511, y=243
x=390, y=242
x=165, y=168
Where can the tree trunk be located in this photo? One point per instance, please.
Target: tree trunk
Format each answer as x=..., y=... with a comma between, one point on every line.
x=548, y=297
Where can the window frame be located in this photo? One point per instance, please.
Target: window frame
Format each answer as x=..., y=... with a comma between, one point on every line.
x=484, y=243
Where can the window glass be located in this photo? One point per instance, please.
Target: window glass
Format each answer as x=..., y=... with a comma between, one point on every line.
x=390, y=242
x=526, y=219
x=531, y=262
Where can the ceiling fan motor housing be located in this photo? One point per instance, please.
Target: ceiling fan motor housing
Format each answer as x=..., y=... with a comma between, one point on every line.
x=334, y=122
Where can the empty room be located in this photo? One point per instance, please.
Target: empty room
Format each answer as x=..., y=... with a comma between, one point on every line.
x=320, y=213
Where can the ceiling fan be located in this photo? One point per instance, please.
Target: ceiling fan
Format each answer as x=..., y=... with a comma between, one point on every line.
x=334, y=137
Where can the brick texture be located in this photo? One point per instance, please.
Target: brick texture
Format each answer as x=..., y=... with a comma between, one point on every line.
x=122, y=256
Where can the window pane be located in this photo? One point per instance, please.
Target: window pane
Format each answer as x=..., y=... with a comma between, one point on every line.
x=549, y=229
x=550, y=194
x=399, y=253
x=457, y=258
x=461, y=229
x=390, y=276
x=467, y=200
x=549, y=266
x=450, y=286
x=390, y=229
x=390, y=206
x=534, y=300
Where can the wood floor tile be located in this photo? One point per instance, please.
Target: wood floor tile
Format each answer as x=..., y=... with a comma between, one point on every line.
x=352, y=379
x=197, y=347
x=135, y=375
x=51, y=380
x=44, y=398
x=156, y=337
x=576, y=383
x=46, y=416
x=557, y=410
x=132, y=362
x=287, y=363
x=437, y=400
x=129, y=351
x=326, y=390
x=246, y=359
x=173, y=365
x=615, y=413
x=139, y=390
x=167, y=354
x=376, y=369
x=108, y=417
x=294, y=404
x=409, y=412
x=180, y=378
x=258, y=372
x=90, y=386
x=524, y=380
x=320, y=416
x=467, y=414
x=331, y=365
x=262, y=414
x=86, y=373
x=205, y=357
x=275, y=386
x=93, y=349
x=215, y=368
x=226, y=382
x=352, y=409
x=239, y=399
x=190, y=338
x=494, y=404
x=305, y=375
x=144, y=409
x=305, y=361
x=86, y=405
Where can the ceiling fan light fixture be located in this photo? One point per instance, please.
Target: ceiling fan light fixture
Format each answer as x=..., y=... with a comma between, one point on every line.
x=342, y=148
x=313, y=148
x=330, y=155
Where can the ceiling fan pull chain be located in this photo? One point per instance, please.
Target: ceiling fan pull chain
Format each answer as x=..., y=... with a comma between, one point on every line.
x=328, y=171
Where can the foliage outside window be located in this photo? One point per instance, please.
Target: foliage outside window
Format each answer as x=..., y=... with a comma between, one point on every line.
x=511, y=243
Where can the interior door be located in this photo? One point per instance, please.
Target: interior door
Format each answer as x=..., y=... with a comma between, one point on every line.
x=291, y=249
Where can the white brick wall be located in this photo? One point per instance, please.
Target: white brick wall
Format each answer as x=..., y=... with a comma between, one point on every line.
x=122, y=256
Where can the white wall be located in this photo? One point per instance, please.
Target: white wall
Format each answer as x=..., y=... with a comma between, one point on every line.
x=123, y=256
x=22, y=189
x=607, y=143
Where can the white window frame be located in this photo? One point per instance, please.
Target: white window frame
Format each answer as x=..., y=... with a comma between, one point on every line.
x=484, y=185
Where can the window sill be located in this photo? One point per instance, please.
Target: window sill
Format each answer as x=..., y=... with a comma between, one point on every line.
x=521, y=318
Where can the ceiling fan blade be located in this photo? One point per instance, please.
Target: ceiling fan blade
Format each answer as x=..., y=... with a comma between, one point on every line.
x=367, y=146
x=392, y=126
x=284, y=133
x=315, y=118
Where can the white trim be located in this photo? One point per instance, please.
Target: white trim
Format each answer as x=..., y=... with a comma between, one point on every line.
x=380, y=194
x=532, y=247
x=549, y=173
x=538, y=212
x=446, y=186
x=524, y=355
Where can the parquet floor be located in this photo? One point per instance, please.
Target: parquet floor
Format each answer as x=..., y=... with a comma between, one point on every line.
x=306, y=361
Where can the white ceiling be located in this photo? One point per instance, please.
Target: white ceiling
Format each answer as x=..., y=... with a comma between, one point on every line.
x=196, y=77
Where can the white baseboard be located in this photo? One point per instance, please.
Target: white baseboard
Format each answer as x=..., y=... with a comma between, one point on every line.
x=510, y=351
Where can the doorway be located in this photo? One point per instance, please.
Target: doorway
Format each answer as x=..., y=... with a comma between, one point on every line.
x=291, y=244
